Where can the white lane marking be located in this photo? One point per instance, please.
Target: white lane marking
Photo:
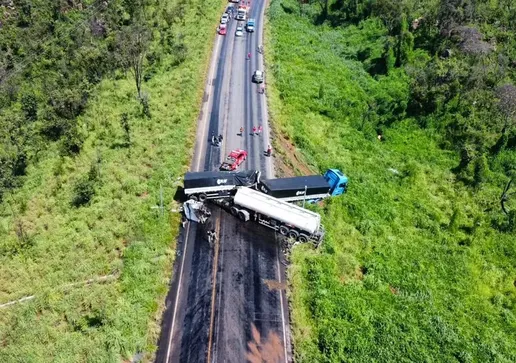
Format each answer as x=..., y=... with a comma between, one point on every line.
x=178, y=294
x=196, y=167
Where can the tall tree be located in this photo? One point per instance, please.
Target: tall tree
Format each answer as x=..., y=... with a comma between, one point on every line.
x=132, y=45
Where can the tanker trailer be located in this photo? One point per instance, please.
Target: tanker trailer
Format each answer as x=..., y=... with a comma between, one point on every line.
x=288, y=219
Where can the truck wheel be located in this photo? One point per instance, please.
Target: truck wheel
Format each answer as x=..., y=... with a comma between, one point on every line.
x=283, y=230
x=243, y=215
x=293, y=234
x=234, y=211
x=303, y=238
x=193, y=197
x=202, y=197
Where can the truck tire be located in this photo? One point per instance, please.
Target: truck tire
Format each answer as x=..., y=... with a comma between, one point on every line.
x=283, y=230
x=303, y=238
x=202, y=197
x=234, y=211
x=243, y=215
x=293, y=234
x=193, y=197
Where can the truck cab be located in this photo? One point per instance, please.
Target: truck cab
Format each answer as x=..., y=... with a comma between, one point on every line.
x=338, y=182
x=250, y=25
x=241, y=13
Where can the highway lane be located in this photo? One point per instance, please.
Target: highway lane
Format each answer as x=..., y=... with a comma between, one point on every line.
x=220, y=293
x=249, y=255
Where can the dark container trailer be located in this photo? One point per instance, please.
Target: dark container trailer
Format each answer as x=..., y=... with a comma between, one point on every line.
x=293, y=189
x=217, y=184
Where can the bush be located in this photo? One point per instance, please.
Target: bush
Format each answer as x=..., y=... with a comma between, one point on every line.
x=83, y=192
x=84, y=189
x=30, y=107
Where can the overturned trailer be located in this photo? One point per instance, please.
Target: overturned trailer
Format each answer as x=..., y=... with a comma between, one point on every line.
x=217, y=184
x=288, y=219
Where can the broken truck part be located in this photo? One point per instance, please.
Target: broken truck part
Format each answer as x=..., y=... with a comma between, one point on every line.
x=196, y=211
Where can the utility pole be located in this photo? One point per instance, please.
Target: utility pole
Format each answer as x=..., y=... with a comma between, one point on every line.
x=160, y=207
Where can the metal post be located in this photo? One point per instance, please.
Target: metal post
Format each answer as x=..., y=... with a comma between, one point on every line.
x=161, y=199
x=304, y=198
x=160, y=207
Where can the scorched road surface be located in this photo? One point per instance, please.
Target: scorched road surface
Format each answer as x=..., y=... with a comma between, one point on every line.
x=227, y=301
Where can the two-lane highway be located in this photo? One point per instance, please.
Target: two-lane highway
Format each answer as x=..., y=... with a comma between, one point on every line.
x=227, y=299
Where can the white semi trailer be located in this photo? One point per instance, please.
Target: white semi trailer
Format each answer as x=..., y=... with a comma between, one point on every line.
x=286, y=218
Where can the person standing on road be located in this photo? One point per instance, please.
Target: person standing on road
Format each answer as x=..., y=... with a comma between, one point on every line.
x=254, y=130
x=260, y=129
x=269, y=150
x=211, y=236
x=249, y=56
x=241, y=131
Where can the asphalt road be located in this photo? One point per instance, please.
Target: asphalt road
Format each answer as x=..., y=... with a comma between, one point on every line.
x=226, y=302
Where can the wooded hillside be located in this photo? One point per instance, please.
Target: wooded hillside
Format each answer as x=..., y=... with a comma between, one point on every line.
x=98, y=104
x=415, y=102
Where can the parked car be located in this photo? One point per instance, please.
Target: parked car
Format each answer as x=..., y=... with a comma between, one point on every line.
x=230, y=10
x=222, y=29
x=258, y=77
x=234, y=159
x=239, y=31
x=224, y=18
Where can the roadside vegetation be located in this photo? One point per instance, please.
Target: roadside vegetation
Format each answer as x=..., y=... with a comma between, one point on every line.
x=419, y=259
x=98, y=106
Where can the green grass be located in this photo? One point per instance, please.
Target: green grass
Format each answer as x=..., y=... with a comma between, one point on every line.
x=411, y=269
x=46, y=243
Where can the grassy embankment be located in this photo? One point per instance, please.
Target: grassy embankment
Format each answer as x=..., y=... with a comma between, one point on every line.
x=48, y=244
x=411, y=269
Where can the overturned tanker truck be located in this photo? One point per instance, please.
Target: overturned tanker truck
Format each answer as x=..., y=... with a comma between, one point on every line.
x=288, y=219
x=247, y=197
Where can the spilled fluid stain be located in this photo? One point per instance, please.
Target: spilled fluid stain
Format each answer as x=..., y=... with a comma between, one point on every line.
x=264, y=350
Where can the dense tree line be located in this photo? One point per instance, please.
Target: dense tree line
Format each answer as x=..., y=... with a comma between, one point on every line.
x=52, y=55
x=460, y=56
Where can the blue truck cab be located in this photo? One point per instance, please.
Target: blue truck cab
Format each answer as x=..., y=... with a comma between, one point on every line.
x=250, y=25
x=338, y=182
